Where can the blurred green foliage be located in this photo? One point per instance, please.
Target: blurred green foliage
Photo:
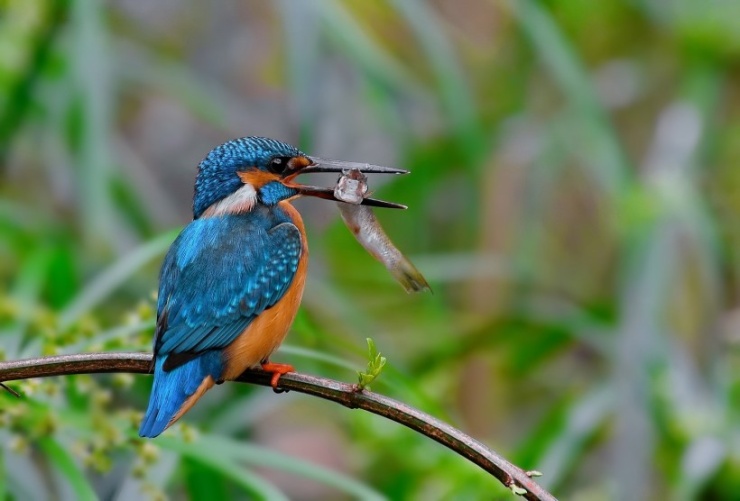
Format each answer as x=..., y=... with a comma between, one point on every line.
x=573, y=203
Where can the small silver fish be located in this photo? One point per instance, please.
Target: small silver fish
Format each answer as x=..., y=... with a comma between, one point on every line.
x=351, y=189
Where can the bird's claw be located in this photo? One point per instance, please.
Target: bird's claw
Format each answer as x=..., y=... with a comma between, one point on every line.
x=277, y=370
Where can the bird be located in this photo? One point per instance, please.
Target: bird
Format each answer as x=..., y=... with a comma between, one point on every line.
x=231, y=283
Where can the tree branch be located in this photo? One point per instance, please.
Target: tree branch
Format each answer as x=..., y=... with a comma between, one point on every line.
x=346, y=394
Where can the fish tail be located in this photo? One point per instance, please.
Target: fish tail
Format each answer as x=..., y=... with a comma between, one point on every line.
x=176, y=390
x=408, y=276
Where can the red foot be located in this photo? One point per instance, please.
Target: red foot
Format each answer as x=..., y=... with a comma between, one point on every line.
x=277, y=371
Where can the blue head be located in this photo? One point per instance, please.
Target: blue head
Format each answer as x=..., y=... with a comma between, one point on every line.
x=241, y=173
x=261, y=162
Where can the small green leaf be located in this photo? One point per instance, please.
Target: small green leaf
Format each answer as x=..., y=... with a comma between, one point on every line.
x=519, y=491
x=375, y=364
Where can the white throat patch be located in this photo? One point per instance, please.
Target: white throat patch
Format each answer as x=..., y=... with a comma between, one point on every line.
x=242, y=200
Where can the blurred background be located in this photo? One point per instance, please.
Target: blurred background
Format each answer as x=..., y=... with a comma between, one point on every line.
x=573, y=202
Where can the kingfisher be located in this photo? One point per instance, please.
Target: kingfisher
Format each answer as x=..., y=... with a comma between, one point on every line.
x=232, y=281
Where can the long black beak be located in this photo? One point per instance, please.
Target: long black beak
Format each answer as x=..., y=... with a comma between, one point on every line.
x=328, y=194
x=323, y=165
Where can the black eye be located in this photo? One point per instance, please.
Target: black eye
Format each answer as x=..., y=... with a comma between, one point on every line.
x=279, y=164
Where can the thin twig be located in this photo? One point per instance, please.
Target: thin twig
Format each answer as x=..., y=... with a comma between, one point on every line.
x=346, y=394
x=10, y=390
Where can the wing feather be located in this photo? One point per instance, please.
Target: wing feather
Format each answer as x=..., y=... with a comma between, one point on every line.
x=219, y=275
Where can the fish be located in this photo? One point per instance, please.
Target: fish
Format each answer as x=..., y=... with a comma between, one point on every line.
x=350, y=190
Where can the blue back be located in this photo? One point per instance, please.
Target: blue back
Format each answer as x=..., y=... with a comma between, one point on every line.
x=220, y=274
x=217, y=277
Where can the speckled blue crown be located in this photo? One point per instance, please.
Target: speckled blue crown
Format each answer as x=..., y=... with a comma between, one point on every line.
x=216, y=173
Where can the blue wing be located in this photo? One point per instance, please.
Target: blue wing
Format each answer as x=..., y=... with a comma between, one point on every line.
x=219, y=275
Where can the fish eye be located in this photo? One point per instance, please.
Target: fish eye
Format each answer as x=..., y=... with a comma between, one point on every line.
x=279, y=164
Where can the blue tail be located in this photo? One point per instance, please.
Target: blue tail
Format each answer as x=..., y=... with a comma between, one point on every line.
x=172, y=388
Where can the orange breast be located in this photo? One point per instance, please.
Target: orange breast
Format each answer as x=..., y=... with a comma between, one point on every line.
x=268, y=330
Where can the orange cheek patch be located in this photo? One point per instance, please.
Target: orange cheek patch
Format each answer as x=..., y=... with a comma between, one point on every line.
x=298, y=163
x=257, y=178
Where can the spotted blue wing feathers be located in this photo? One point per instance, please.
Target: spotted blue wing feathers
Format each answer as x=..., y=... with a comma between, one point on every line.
x=218, y=276
x=222, y=288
